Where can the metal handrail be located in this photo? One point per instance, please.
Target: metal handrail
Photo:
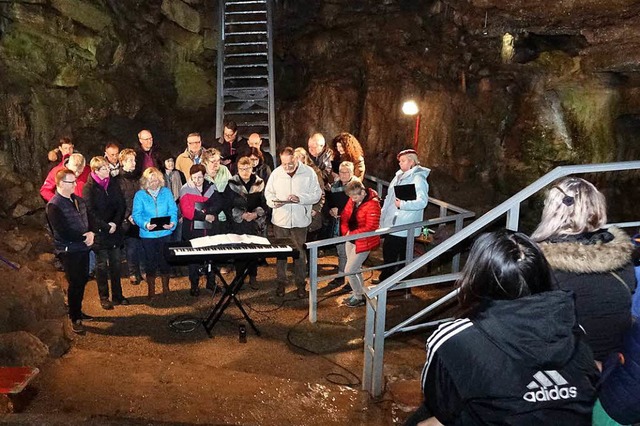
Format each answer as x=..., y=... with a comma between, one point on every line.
x=444, y=208
x=377, y=297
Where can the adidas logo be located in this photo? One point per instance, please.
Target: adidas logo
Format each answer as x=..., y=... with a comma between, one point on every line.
x=551, y=386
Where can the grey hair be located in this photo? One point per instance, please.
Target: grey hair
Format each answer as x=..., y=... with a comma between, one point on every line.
x=76, y=162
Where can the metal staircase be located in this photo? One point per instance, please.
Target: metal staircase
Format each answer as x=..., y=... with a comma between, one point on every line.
x=245, y=69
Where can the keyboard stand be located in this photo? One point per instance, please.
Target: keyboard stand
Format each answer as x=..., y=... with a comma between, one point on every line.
x=228, y=295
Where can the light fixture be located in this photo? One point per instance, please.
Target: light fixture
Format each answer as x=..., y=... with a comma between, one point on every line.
x=411, y=108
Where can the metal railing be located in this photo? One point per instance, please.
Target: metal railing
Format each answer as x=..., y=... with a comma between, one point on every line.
x=458, y=218
x=375, y=333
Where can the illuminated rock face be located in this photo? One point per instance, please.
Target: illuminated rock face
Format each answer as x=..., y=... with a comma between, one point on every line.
x=103, y=70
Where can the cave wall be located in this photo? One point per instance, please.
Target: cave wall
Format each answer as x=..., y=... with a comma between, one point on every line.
x=490, y=123
x=102, y=70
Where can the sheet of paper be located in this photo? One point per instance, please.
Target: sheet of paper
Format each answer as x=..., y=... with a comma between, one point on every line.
x=215, y=240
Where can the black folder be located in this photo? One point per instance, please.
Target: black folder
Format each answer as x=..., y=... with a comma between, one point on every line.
x=405, y=192
x=160, y=222
x=201, y=224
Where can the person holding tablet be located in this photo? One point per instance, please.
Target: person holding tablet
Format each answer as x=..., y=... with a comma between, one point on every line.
x=402, y=207
x=156, y=213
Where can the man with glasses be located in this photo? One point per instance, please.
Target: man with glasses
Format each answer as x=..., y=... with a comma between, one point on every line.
x=146, y=155
x=67, y=216
x=111, y=153
x=191, y=156
x=231, y=146
x=291, y=192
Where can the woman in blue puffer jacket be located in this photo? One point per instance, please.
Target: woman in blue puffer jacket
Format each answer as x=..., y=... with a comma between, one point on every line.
x=154, y=200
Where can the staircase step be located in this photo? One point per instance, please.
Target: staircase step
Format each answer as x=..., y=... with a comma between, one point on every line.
x=246, y=12
x=253, y=77
x=246, y=111
x=246, y=43
x=240, y=55
x=231, y=23
x=246, y=33
x=240, y=66
x=235, y=3
x=246, y=100
x=258, y=90
x=251, y=123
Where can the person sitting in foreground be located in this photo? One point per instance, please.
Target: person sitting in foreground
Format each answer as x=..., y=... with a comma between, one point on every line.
x=518, y=357
x=592, y=262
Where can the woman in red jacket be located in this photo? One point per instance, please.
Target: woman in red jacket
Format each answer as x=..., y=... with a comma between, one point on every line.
x=361, y=214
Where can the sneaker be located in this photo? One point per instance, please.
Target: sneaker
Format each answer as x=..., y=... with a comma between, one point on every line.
x=106, y=305
x=353, y=302
x=123, y=301
x=335, y=283
x=77, y=327
x=85, y=317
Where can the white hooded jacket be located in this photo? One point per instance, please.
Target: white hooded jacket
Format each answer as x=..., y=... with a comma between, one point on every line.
x=304, y=184
x=410, y=211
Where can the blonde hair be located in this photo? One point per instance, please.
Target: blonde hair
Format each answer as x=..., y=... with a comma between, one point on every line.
x=573, y=206
x=125, y=153
x=210, y=154
x=148, y=174
x=347, y=165
x=97, y=162
x=302, y=155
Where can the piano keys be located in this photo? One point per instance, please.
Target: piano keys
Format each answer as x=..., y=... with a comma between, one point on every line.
x=184, y=253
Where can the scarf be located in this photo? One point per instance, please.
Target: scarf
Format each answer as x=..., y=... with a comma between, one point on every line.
x=104, y=183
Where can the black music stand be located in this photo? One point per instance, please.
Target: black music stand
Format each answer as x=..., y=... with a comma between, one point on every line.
x=228, y=295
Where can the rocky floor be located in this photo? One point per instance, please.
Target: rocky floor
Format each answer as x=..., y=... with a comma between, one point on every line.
x=141, y=364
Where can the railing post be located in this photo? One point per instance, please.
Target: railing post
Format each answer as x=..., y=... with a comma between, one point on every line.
x=377, y=384
x=313, y=284
x=455, y=263
x=513, y=217
x=369, y=331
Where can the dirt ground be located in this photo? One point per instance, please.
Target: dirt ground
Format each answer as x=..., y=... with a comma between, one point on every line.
x=133, y=367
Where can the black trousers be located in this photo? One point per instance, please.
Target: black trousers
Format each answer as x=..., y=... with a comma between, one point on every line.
x=76, y=269
x=108, y=267
x=394, y=249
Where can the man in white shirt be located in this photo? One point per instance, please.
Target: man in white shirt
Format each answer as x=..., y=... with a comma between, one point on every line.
x=291, y=191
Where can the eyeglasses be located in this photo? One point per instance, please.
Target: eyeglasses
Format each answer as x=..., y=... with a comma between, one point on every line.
x=245, y=169
x=70, y=181
x=146, y=139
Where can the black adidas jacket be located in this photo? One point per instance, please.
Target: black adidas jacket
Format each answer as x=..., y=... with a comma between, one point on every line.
x=517, y=362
